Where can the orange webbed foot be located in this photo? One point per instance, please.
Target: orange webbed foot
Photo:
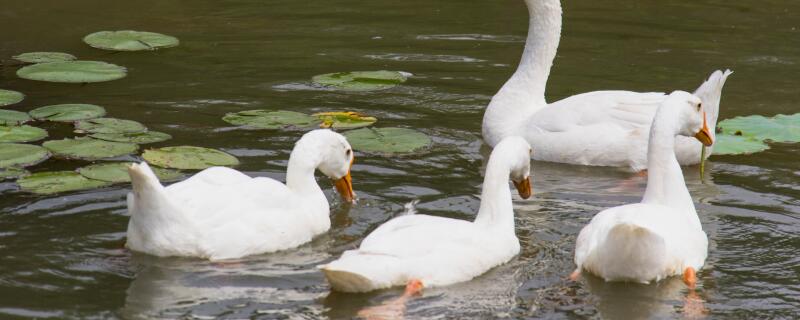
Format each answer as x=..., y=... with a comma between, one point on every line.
x=575, y=275
x=395, y=308
x=690, y=277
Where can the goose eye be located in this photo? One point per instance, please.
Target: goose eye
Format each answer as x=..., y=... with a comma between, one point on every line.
x=699, y=106
x=348, y=152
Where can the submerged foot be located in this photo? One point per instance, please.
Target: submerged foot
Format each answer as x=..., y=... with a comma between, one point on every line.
x=690, y=277
x=395, y=308
x=631, y=183
x=575, y=275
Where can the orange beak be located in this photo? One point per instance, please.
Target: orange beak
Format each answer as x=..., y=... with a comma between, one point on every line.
x=524, y=188
x=704, y=136
x=345, y=185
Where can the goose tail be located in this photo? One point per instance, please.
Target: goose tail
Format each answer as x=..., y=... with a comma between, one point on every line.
x=710, y=93
x=358, y=271
x=632, y=252
x=143, y=178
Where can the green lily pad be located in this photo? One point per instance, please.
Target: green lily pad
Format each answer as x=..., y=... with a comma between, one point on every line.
x=8, y=97
x=89, y=149
x=344, y=120
x=13, y=118
x=21, y=155
x=128, y=40
x=387, y=140
x=42, y=57
x=780, y=128
x=117, y=172
x=21, y=134
x=188, y=157
x=134, y=137
x=68, y=112
x=264, y=119
x=57, y=181
x=12, y=173
x=360, y=80
x=109, y=125
x=72, y=72
x=726, y=144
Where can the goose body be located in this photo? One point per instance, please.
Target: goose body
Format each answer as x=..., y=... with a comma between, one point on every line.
x=221, y=213
x=601, y=128
x=662, y=235
x=439, y=251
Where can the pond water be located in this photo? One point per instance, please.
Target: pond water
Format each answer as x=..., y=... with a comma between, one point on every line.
x=63, y=255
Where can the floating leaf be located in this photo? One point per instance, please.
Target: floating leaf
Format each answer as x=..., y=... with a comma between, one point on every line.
x=264, y=119
x=89, y=149
x=117, y=172
x=72, y=72
x=109, y=125
x=188, y=157
x=21, y=155
x=57, y=181
x=344, y=120
x=42, y=57
x=12, y=173
x=128, y=40
x=13, y=118
x=134, y=137
x=68, y=112
x=780, y=128
x=387, y=140
x=726, y=144
x=8, y=97
x=21, y=134
x=361, y=80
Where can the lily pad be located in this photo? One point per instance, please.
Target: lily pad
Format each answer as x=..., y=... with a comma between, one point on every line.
x=57, y=181
x=344, y=120
x=21, y=134
x=780, y=128
x=72, y=72
x=188, y=157
x=117, y=172
x=42, y=57
x=8, y=97
x=264, y=119
x=134, y=137
x=13, y=118
x=12, y=173
x=726, y=144
x=109, y=125
x=387, y=140
x=360, y=80
x=21, y=155
x=89, y=149
x=128, y=40
x=68, y=112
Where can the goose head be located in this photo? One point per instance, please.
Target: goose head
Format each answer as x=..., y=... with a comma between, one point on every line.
x=333, y=157
x=516, y=153
x=692, y=119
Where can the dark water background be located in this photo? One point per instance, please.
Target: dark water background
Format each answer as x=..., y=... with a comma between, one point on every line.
x=62, y=255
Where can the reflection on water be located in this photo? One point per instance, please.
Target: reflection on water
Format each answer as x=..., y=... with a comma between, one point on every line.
x=63, y=255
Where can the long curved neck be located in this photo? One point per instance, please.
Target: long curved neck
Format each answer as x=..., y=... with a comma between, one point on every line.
x=665, y=183
x=496, y=207
x=523, y=94
x=544, y=34
x=303, y=162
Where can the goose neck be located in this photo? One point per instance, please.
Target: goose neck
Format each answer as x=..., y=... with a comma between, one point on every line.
x=665, y=182
x=496, y=208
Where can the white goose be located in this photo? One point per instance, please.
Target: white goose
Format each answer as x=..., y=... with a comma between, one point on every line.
x=221, y=213
x=662, y=235
x=601, y=128
x=421, y=250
